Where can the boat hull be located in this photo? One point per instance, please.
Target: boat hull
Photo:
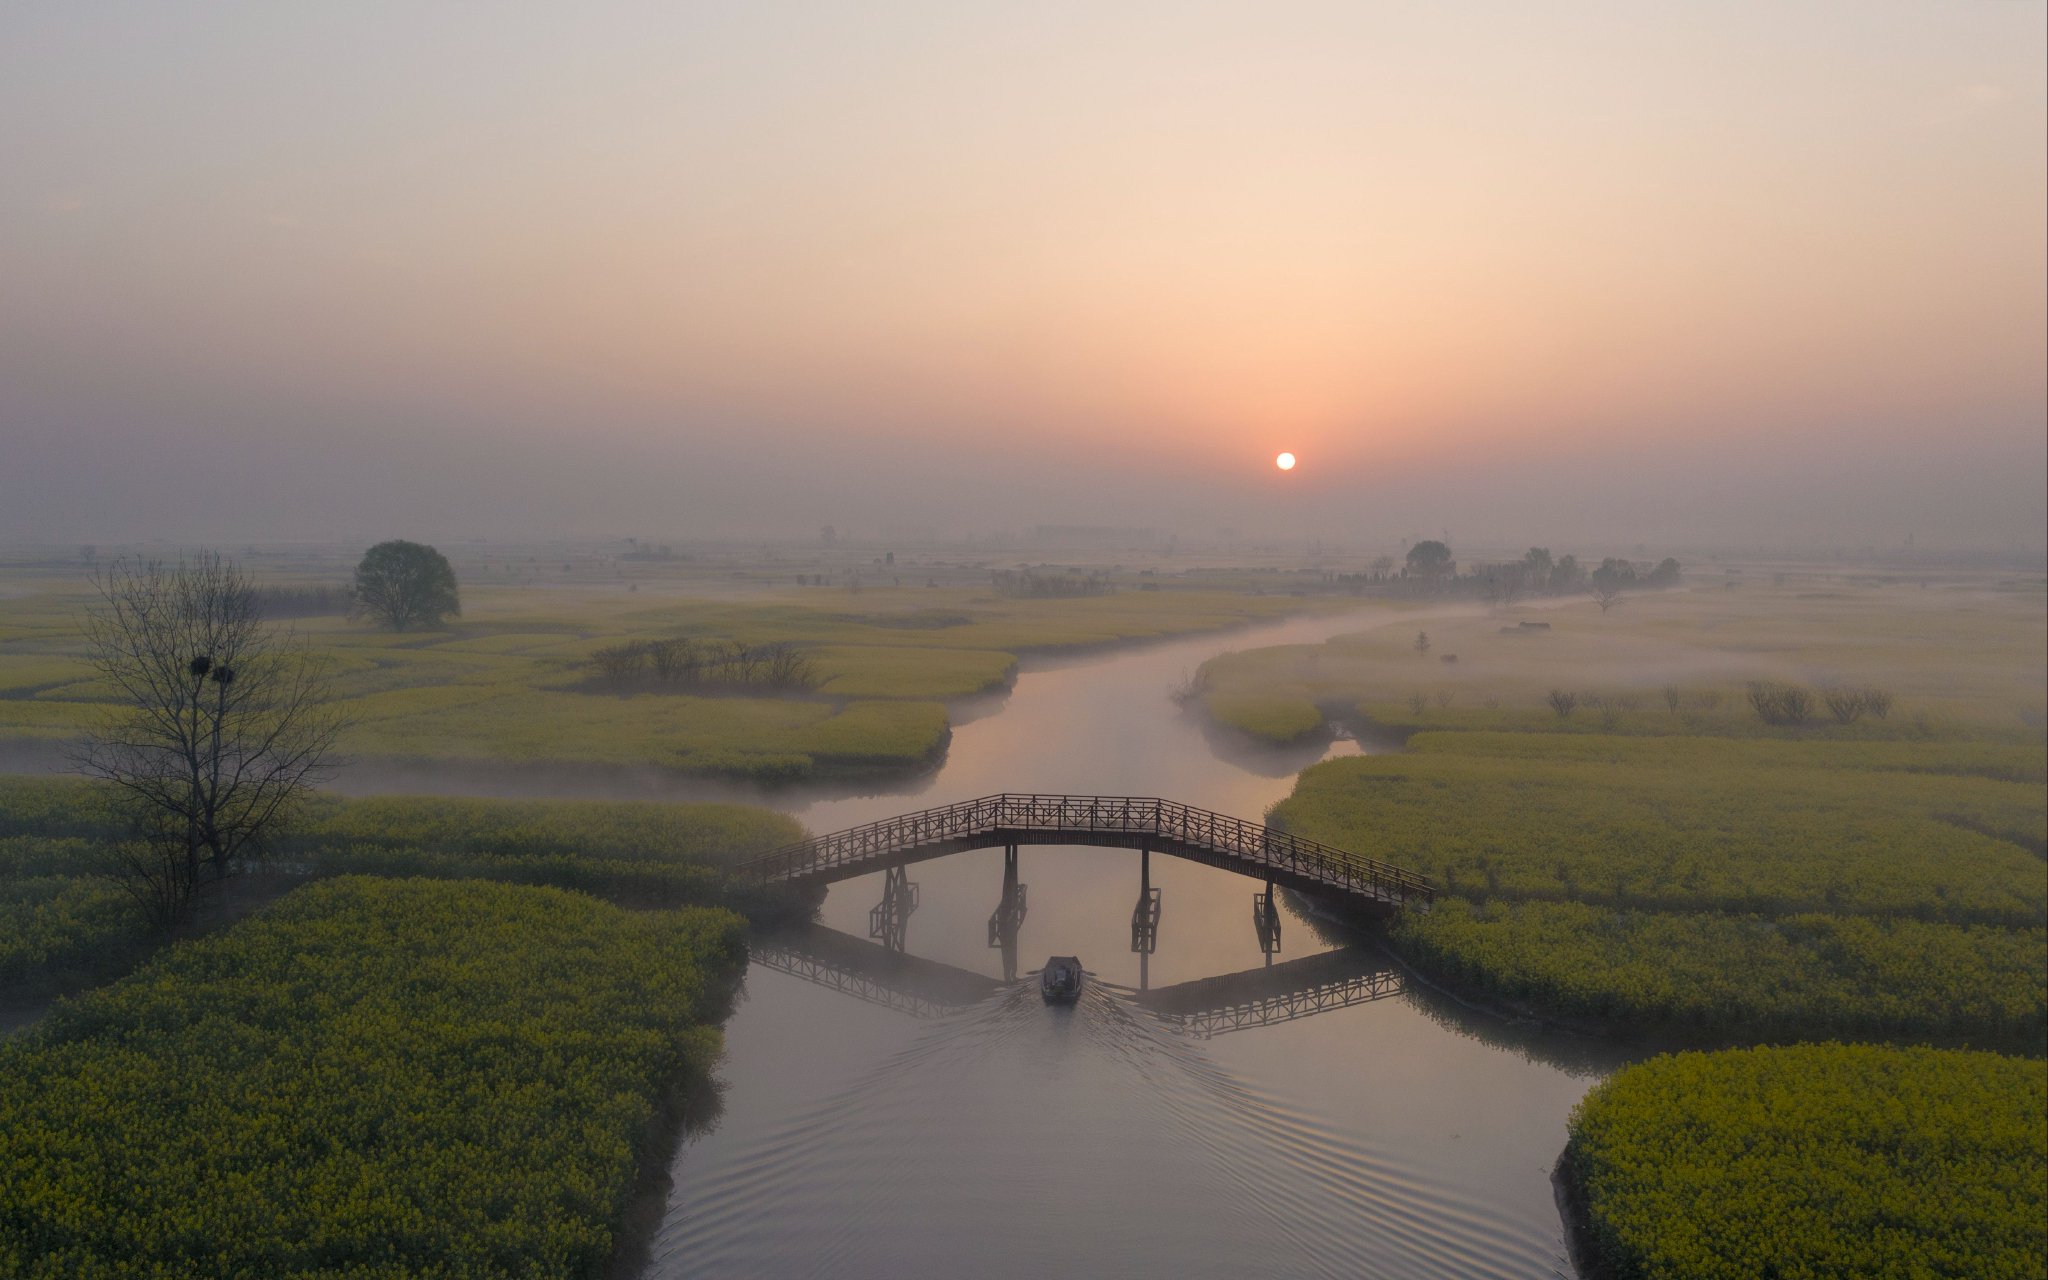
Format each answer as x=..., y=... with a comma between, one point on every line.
x=1060, y=982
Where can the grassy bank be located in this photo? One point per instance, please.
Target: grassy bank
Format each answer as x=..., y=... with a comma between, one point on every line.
x=1815, y=1160
x=372, y=1078
x=64, y=925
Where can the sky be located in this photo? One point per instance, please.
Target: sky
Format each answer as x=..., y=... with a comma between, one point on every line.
x=1728, y=272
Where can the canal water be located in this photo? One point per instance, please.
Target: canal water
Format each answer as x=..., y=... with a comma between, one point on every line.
x=924, y=1117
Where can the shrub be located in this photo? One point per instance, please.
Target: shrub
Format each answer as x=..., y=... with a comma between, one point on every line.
x=1780, y=704
x=1845, y=705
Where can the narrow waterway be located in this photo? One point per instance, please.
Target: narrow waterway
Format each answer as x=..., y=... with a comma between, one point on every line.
x=923, y=1117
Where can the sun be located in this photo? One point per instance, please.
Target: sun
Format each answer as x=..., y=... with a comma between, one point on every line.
x=1285, y=462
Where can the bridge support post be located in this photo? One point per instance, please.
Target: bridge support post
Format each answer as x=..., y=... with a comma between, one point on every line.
x=1145, y=915
x=1266, y=920
x=889, y=919
x=1008, y=917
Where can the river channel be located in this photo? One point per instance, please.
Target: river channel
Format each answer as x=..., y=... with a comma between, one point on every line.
x=922, y=1117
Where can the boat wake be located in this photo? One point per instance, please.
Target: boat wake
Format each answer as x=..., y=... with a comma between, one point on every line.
x=1020, y=1139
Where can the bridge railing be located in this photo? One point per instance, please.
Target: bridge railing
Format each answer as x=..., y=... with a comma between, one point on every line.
x=1025, y=812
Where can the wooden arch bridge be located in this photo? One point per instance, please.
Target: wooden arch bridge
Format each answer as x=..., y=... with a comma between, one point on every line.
x=1347, y=881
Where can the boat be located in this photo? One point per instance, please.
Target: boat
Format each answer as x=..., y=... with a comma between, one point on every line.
x=1061, y=980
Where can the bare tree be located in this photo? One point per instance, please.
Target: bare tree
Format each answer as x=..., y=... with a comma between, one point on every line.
x=1504, y=583
x=1605, y=594
x=787, y=667
x=1780, y=704
x=1845, y=705
x=221, y=728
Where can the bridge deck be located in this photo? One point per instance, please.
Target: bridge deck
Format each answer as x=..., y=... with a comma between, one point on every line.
x=1123, y=822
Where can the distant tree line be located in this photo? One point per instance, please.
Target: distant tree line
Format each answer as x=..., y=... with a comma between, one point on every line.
x=1774, y=703
x=1789, y=704
x=704, y=666
x=1431, y=569
x=1031, y=584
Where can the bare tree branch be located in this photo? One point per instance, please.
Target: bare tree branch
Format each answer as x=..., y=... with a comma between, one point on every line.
x=221, y=727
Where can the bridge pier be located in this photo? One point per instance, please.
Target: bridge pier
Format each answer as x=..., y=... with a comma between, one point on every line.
x=1266, y=920
x=889, y=919
x=1145, y=915
x=1008, y=917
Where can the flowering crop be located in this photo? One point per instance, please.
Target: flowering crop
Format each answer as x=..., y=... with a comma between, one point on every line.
x=1816, y=1160
x=389, y=1078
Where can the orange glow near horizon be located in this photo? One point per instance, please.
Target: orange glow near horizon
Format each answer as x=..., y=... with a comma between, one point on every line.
x=1149, y=232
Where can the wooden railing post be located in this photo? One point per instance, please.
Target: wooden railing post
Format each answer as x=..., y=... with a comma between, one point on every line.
x=1263, y=849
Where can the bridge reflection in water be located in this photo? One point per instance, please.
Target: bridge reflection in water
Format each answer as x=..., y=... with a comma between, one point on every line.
x=1259, y=997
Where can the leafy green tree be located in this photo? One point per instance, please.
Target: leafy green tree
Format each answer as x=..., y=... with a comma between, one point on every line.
x=406, y=584
x=1619, y=572
x=1566, y=575
x=1431, y=561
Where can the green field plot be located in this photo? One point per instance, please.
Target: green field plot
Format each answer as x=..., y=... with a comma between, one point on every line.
x=1675, y=662
x=1714, y=888
x=371, y=1077
x=66, y=923
x=895, y=734
x=1692, y=825
x=1276, y=718
x=63, y=932
x=537, y=726
x=1742, y=976
x=512, y=680
x=1618, y=836
x=868, y=671
x=25, y=675
x=1815, y=1160
x=30, y=718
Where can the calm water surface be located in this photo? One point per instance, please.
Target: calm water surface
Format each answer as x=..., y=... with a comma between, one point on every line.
x=927, y=1118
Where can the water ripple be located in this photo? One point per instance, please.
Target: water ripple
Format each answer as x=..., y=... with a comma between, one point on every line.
x=1012, y=1139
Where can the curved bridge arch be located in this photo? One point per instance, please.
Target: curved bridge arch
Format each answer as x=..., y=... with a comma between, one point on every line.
x=1117, y=822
